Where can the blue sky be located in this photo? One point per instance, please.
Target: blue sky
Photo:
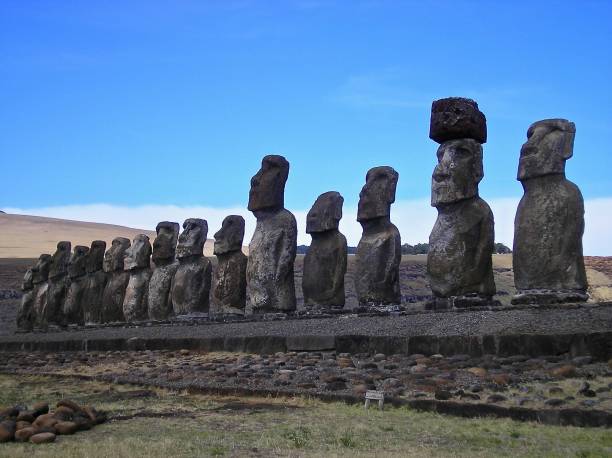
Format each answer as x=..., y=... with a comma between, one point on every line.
x=174, y=103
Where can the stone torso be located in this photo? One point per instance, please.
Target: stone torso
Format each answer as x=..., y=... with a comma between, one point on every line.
x=56, y=294
x=548, y=236
x=113, y=295
x=40, y=302
x=229, y=290
x=135, y=300
x=73, y=304
x=25, y=315
x=324, y=269
x=93, y=296
x=460, y=249
x=160, y=299
x=191, y=286
x=270, y=282
x=377, y=267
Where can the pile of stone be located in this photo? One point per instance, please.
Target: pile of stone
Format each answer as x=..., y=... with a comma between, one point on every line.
x=38, y=425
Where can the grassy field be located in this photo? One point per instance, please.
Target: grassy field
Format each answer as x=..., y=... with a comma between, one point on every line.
x=162, y=423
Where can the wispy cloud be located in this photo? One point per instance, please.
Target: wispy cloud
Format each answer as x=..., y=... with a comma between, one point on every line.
x=414, y=219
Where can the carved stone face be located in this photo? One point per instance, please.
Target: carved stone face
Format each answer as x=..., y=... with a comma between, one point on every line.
x=61, y=257
x=268, y=184
x=164, y=245
x=326, y=213
x=192, y=239
x=229, y=238
x=40, y=271
x=115, y=256
x=78, y=262
x=139, y=254
x=549, y=144
x=95, y=257
x=458, y=172
x=377, y=194
x=27, y=284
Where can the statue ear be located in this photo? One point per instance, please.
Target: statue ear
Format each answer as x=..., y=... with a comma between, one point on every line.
x=568, y=144
x=392, y=187
x=338, y=208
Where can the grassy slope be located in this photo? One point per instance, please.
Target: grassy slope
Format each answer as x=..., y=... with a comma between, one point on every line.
x=194, y=425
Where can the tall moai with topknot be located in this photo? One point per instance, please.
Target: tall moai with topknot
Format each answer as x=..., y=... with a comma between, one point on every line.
x=96, y=283
x=461, y=243
x=164, y=249
x=58, y=284
x=379, y=251
x=547, y=255
x=72, y=311
x=138, y=263
x=191, y=282
x=326, y=259
x=40, y=277
x=116, y=281
x=25, y=313
x=270, y=280
x=229, y=283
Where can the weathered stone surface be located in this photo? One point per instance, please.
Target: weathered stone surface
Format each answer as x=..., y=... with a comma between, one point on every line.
x=116, y=282
x=549, y=224
x=379, y=251
x=190, y=288
x=270, y=282
x=72, y=311
x=25, y=314
x=456, y=118
x=58, y=284
x=137, y=262
x=326, y=260
x=229, y=283
x=96, y=282
x=42, y=438
x=40, y=275
x=164, y=247
x=461, y=243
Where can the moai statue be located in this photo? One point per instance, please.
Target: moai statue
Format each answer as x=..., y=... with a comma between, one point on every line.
x=25, y=313
x=40, y=276
x=72, y=311
x=325, y=261
x=379, y=251
x=270, y=282
x=191, y=282
x=461, y=243
x=138, y=263
x=164, y=248
x=229, y=284
x=96, y=282
x=549, y=224
x=116, y=282
x=58, y=284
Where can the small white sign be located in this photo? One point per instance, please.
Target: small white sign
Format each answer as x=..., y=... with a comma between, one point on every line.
x=373, y=395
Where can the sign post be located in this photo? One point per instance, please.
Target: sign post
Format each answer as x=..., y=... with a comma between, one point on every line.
x=373, y=395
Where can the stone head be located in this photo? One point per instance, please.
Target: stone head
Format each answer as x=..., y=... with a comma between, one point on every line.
x=268, y=184
x=138, y=255
x=164, y=245
x=40, y=271
x=456, y=117
x=192, y=239
x=27, y=284
x=95, y=257
x=377, y=194
x=549, y=144
x=458, y=172
x=78, y=262
x=326, y=213
x=229, y=238
x=61, y=257
x=115, y=256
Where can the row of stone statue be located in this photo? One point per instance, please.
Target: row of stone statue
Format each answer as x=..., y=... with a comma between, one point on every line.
x=547, y=260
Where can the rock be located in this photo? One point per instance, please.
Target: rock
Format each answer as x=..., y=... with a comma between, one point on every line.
x=477, y=371
x=66, y=427
x=378, y=254
x=566, y=370
x=73, y=406
x=500, y=379
x=589, y=402
x=159, y=299
x=360, y=390
x=45, y=421
x=455, y=118
x=270, y=278
x=229, y=284
x=547, y=255
x=443, y=395
x=63, y=413
x=336, y=385
x=555, y=390
x=7, y=430
x=95, y=283
x=326, y=259
x=493, y=398
x=419, y=368
x=554, y=402
x=22, y=424
x=82, y=421
x=461, y=243
x=117, y=281
x=137, y=262
x=24, y=434
x=470, y=396
x=42, y=438
x=9, y=412
x=26, y=415
x=585, y=390
x=579, y=361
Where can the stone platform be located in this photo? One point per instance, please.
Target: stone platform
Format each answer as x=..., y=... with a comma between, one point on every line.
x=577, y=329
